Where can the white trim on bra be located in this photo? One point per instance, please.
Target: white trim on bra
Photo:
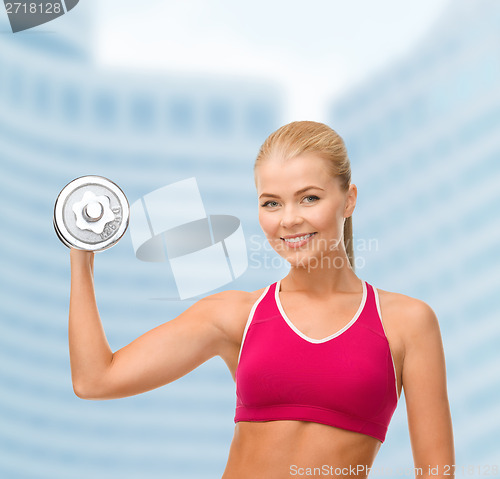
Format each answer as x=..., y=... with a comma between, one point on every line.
x=331, y=336
x=249, y=320
x=380, y=317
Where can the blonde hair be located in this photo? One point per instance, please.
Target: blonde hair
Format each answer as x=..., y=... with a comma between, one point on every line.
x=301, y=137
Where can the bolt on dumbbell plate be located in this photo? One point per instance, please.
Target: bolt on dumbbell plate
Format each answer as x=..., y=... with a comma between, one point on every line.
x=91, y=213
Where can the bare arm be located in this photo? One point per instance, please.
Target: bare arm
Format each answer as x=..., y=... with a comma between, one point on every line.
x=424, y=382
x=158, y=357
x=89, y=350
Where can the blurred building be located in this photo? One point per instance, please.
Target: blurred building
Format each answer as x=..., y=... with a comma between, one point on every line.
x=424, y=142
x=61, y=117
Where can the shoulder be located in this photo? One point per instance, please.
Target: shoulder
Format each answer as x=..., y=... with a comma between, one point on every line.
x=230, y=310
x=411, y=308
x=412, y=318
x=232, y=299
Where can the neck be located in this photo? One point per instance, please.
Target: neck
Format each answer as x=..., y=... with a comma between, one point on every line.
x=331, y=277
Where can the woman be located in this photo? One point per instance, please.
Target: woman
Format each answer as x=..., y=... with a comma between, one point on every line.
x=319, y=357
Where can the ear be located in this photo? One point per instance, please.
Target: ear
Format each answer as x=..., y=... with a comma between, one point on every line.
x=350, y=202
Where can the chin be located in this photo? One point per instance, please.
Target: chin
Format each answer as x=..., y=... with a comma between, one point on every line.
x=299, y=260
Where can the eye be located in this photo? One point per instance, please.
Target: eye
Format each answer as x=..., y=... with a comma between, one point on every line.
x=312, y=197
x=268, y=202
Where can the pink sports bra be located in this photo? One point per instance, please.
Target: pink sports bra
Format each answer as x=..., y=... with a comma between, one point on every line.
x=346, y=380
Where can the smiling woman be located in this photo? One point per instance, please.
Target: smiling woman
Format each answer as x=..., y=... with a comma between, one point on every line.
x=312, y=154
x=319, y=357
x=317, y=366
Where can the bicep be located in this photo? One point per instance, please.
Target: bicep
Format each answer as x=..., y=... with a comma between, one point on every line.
x=164, y=353
x=424, y=383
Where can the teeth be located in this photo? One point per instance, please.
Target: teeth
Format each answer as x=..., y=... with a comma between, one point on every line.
x=299, y=238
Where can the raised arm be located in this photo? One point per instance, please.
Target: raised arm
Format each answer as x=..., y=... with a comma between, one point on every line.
x=156, y=358
x=424, y=383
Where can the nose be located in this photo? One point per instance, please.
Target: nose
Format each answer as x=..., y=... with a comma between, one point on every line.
x=290, y=218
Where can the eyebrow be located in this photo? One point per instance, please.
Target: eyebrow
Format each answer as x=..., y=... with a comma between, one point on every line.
x=296, y=193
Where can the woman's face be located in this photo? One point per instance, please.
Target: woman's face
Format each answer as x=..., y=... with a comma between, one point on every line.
x=302, y=208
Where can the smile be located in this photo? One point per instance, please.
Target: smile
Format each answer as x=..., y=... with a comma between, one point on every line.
x=298, y=240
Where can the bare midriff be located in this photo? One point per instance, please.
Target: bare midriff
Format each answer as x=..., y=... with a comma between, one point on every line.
x=287, y=449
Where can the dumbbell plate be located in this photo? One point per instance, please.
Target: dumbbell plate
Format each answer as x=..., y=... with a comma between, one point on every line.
x=73, y=225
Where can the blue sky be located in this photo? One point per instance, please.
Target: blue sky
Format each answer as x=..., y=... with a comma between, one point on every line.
x=316, y=51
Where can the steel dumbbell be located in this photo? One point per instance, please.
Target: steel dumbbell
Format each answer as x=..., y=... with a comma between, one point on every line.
x=91, y=213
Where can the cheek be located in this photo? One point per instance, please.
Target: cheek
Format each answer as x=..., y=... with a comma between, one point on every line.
x=326, y=219
x=322, y=219
x=267, y=223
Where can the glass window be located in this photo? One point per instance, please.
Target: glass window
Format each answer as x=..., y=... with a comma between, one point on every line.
x=143, y=113
x=260, y=120
x=181, y=116
x=42, y=93
x=105, y=108
x=15, y=87
x=70, y=103
x=220, y=117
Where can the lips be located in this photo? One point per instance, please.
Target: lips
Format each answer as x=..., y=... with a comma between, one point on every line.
x=296, y=239
x=299, y=238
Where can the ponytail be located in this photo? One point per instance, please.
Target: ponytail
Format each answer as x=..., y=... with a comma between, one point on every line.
x=348, y=240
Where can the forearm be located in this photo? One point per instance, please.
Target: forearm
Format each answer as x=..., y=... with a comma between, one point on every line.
x=90, y=354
